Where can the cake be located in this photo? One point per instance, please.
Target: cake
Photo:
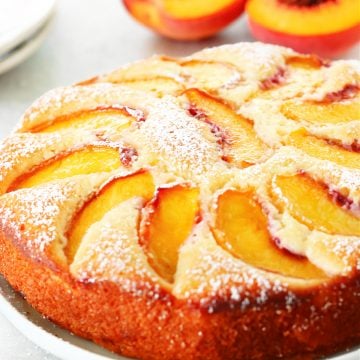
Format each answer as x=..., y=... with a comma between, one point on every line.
x=206, y=207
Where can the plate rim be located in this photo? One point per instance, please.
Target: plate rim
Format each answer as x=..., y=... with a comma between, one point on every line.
x=17, y=36
x=24, y=50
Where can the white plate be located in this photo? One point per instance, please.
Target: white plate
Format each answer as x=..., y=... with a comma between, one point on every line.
x=19, y=19
x=21, y=52
x=58, y=341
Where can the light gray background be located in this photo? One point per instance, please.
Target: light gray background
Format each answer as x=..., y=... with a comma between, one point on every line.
x=87, y=37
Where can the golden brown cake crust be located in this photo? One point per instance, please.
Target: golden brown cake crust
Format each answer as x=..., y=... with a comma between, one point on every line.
x=84, y=178
x=139, y=326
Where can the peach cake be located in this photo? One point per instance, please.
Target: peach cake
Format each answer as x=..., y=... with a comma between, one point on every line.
x=206, y=207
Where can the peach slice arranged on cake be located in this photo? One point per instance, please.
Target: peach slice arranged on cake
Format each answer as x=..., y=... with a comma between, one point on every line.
x=168, y=221
x=323, y=27
x=102, y=117
x=324, y=149
x=113, y=193
x=235, y=134
x=86, y=160
x=242, y=228
x=322, y=113
x=299, y=193
x=183, y=20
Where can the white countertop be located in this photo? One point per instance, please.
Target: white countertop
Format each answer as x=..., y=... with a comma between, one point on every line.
x=87, y=37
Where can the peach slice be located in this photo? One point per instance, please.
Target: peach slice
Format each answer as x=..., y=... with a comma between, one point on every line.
x=324, y=27
x=311, y=203
x=113, y=118
x=307, y=62
x=170, y=220
x=183, y=20
x=323, y=150
x=283, y=76
x=161, y=85
x=242, y=229
x=87, y=160
x=235, y=134
x=209, y=75
x=112, y=194
x=322, y=113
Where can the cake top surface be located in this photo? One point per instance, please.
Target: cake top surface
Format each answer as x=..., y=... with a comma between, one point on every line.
x=232, y=174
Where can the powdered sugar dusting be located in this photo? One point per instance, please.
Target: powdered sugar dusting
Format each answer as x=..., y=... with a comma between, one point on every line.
x=20, y=152
x=110, y=249
x=73, y=99
x=38, y=217
x=347, y=248
x=186, y=149
x=248, y=286
x=169, y=141
x=257, y=61
x=21, y=146
x=208, y=272
x=36, y=209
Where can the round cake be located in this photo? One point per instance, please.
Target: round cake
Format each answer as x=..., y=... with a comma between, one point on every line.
x=206, y=207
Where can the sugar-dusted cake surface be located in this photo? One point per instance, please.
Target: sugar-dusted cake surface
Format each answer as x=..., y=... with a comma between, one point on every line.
x=206, y=207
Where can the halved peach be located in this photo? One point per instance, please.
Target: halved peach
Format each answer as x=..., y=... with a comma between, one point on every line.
x=242, y=228
x=183, y=20
x=234, y=133
x=323, y=149
x=324, y=27
x=169, y=221
x=112, y=194
x=113, y=118
x=86, y=160
x=311, y=203
x=322, y=113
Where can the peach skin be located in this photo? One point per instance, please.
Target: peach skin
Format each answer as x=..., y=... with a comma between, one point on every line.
x=325, y=27
x=184, y=20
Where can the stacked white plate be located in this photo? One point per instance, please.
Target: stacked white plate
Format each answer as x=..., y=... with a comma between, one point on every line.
x=23, y=27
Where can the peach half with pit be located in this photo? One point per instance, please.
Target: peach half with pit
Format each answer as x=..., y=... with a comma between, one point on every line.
x=324, y=27
x=185, y=20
